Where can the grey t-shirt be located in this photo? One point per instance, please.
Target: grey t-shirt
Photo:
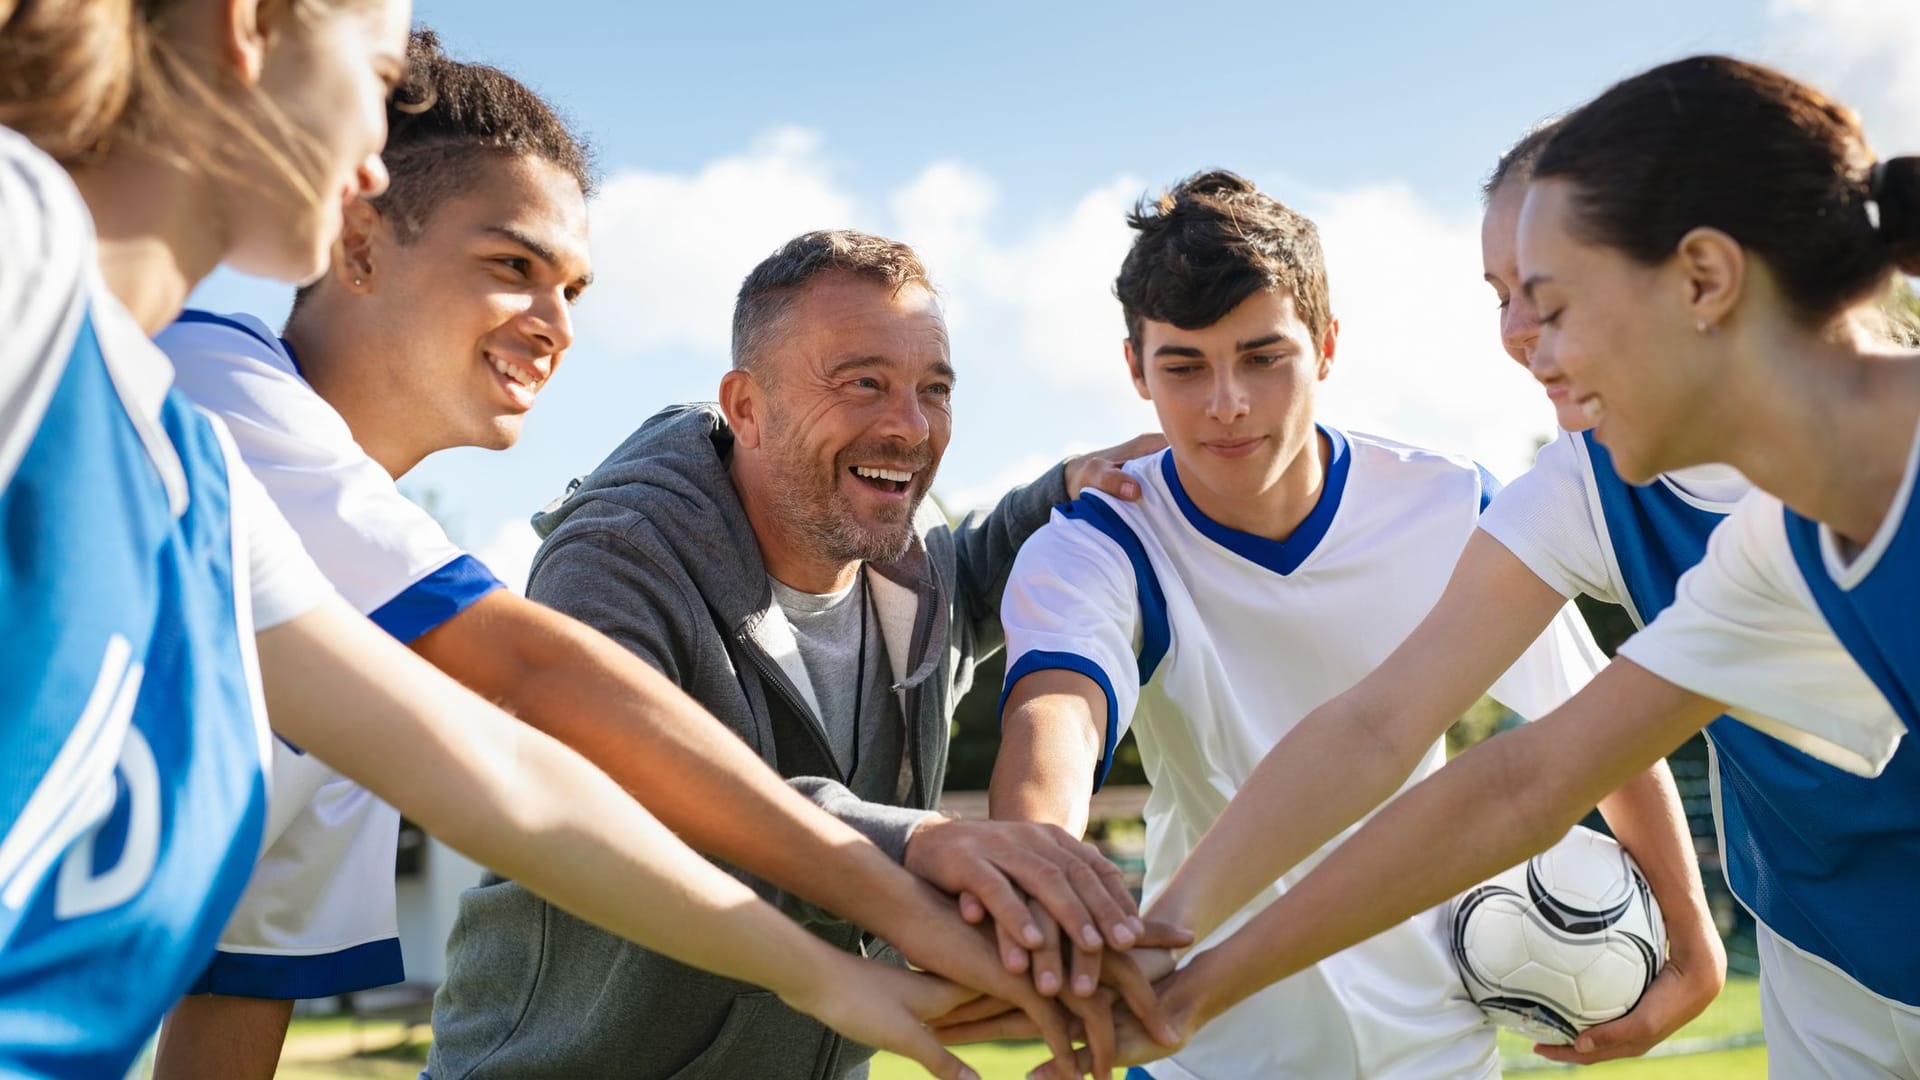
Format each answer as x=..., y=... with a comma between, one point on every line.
x=828, y=628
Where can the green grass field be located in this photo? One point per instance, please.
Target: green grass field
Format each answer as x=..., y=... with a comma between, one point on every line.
x=368, y=1051
x=1735, y=1013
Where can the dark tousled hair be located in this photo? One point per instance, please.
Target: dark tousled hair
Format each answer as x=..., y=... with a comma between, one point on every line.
x=1780, y=167
x=771, y=287
x=1518, y=162
x=1207, y=244
x=447, y=116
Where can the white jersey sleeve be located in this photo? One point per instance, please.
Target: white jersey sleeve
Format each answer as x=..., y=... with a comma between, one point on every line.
x=385, y=554
x=1560, y=661
x=1745, y=631
x=1546, y=520
x=1071, y=604
x=47, y=236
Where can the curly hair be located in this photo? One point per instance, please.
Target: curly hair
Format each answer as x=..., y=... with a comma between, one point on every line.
x=448, y=115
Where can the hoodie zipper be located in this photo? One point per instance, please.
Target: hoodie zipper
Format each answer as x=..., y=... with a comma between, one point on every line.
x=771, y=673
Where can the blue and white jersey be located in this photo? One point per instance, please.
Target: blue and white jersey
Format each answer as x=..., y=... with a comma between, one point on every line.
x=1211, y=645
x=319, y=916
x=1800, y=840
x=1749, y=627
x=139, y=558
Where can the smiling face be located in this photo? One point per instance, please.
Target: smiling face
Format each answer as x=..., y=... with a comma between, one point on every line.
x=1235, y=400
x=1619, y=336
x=850, y=412
x=475, y=313
x=1519, y=319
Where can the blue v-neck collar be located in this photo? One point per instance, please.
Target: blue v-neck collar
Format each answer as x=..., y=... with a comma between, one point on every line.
x=1279, y=556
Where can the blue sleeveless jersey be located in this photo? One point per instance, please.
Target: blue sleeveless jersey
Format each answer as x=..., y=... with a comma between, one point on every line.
x=1826, y=859
x=130, y=754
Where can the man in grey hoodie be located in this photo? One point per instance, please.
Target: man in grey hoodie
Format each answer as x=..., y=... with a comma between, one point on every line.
x=772, y=556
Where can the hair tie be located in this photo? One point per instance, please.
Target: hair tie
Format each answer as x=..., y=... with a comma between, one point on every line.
x=1876, y=179
x=415, y=108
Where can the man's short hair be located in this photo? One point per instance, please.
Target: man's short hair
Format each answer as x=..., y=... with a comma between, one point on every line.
x=771, y=287
x=1207, y=244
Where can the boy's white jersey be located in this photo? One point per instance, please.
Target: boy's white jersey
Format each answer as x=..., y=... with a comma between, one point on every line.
x=1211, y=644
x=318, y=917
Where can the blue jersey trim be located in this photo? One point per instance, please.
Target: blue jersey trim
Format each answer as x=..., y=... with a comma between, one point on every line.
x=1066, y=661
x=195, y=315
x=1490, y=486
x=1846, y=618
x=1138, y=1073
x=1803, y=841
x=317, y=975
x=434, y=599
x=1279, y=556
x=1156, y=634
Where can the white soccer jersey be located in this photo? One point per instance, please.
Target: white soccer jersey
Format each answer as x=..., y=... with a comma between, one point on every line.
x=1551, y=519
x=318, y=917
x=1211, y=644
x=1745, y=630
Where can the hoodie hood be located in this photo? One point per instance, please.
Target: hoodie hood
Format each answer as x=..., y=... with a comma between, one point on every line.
x=672, y=471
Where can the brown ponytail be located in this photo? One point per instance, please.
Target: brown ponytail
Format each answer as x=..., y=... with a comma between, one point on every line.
x=67, y=70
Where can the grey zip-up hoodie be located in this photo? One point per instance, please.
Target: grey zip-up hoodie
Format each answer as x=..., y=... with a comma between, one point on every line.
x=654, y=549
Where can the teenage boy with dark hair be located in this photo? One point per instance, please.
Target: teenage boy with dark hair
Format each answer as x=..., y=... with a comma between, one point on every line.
x=1270, y=563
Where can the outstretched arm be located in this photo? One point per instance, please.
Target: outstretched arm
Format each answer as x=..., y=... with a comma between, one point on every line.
x=1378, y=732
x=521, y=803
x=1501, y=802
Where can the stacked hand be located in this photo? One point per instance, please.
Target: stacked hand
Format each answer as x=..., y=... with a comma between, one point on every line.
x=1053, y=908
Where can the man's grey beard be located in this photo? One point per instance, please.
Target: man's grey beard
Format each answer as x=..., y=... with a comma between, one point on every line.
x=824, y=519
x=831, y=531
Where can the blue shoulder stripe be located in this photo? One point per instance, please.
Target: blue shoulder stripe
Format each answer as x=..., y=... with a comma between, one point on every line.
x=434, y=599
x=1155, y=633
x=1040, y=660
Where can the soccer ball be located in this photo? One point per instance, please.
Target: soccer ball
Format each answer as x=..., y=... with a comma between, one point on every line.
x=1566, y=940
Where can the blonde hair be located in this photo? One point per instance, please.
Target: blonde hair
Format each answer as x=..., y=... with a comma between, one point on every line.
x=84, y=79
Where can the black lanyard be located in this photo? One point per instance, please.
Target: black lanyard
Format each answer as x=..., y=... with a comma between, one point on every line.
x=859, y=677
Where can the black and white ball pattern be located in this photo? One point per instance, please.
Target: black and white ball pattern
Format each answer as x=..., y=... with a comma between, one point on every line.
x=1566, y=940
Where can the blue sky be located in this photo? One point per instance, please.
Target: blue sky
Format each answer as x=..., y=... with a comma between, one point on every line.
x=1005, y=140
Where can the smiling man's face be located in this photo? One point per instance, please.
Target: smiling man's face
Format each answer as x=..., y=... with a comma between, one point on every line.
x=858, y=393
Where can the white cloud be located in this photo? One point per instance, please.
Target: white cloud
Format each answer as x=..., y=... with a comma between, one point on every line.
x=1036, y=329
x=670, y=250
x=1864, y=52
x=509, y=552
x=1419, y=356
